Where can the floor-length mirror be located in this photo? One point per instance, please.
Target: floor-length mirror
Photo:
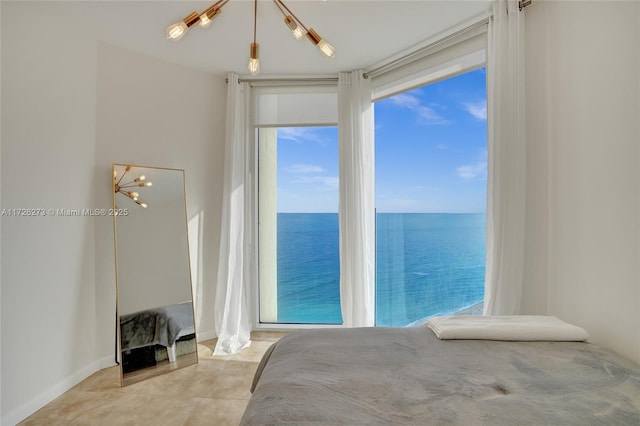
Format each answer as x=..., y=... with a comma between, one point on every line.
x=156, y=327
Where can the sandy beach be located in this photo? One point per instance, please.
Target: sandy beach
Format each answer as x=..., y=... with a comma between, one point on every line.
x=470, y=310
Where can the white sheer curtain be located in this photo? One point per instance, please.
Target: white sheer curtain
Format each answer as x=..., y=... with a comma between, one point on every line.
x=357, y=206
x=233, y=323
x=506, y=152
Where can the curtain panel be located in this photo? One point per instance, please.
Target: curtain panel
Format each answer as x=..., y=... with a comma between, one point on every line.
x=357, y=205
x=506, y=165
x=232, y=316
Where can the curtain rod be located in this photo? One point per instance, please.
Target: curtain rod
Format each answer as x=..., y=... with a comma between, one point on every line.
x=417, y=53
x=390, y=65
x=287, y=80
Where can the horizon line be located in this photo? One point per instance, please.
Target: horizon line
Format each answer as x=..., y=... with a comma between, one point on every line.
x=389, y=212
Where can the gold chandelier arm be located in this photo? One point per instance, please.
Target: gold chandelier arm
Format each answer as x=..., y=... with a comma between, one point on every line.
x=255, y=20
x=129, y=184
x=191, y=19
x=281, y=5
x=254, y=62
x=135, y=185
x=126, y=170
x=211, y=12
x=135, y=200
x=214, y=7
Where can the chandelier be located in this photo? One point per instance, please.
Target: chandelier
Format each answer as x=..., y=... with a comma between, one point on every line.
x=298, y=30
x=125, y=188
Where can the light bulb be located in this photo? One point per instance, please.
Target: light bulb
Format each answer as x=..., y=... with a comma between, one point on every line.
x=143, y=205
x=148, y=184
x=176, y=31
x=254, y=62
x=327, y=50
x=297, y=32
x=254, y=66
x=141, y=178
x=204, y=20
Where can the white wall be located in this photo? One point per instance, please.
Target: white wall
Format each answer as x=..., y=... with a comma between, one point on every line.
x=153, y=113
x=71, y=107
x=1, y=205
x=534, y=291
x=48, y=148
x=583, y=102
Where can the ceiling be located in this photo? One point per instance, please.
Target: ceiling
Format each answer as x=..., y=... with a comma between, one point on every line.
x=364, y=32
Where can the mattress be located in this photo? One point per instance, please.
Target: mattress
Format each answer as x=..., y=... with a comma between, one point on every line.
x=407, y=376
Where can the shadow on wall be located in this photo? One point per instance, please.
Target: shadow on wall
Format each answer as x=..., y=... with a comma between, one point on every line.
x=196, y=244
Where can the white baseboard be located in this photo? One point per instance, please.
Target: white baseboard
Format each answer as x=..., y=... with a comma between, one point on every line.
x=30, y=407
x=107, y=361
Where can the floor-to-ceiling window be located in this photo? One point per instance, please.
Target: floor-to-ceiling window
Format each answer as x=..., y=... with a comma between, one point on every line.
x=431, y=162
x=298, y=225
x=430, y=180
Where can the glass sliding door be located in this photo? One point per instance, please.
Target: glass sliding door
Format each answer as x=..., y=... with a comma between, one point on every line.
x=431, y=162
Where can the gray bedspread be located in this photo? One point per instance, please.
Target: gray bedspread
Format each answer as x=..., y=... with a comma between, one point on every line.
x=158, y=326
x=406, y=376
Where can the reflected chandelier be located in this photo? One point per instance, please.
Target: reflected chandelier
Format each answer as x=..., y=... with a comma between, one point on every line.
x=126, y=188
x=298, y=29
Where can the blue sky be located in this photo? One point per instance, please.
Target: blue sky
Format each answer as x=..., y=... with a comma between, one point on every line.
x=431, y=153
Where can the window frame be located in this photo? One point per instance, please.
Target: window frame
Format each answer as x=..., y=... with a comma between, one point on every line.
x=292, y=87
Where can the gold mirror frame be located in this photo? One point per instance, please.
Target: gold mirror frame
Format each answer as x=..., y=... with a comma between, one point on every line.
x=155, y=329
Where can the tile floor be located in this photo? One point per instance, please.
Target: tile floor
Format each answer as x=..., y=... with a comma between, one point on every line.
x=213, y=392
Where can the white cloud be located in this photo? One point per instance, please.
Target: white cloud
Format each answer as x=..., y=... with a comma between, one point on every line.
x=431, y=116
x=405, y=100
x=298, y=134
x=477, y=109
x=304, y=169
x=411, y=102
x=473, y=171
x=311, y=174
x=329, y=182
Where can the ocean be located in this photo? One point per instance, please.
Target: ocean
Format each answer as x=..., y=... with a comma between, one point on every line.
x=426, y=264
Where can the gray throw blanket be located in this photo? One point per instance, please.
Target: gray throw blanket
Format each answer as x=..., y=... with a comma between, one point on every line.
x=406, y=376
x=158, y=326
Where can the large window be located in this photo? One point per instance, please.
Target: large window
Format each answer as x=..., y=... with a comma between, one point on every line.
x=298, y=225
x=431, y=161
x=430, y=189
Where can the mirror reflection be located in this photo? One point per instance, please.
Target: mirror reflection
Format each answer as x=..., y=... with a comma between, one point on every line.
x=153, y=278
